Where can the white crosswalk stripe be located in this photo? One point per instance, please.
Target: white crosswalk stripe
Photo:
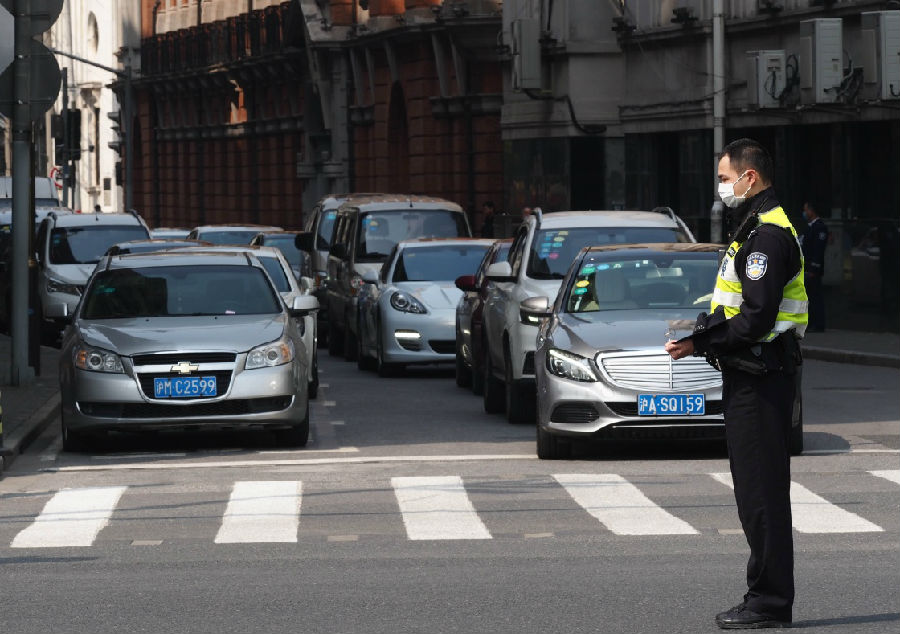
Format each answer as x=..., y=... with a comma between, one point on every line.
x=620, y=505
x=437, y=508
x=811, y=513
x=262, y=511
x=72, y=517
x=892, y=474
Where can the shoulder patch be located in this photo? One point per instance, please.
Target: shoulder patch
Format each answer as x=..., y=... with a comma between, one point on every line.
x=757, y=263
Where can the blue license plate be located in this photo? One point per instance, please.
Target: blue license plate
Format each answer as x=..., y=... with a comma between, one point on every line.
x=671, y=405
x=184, y=387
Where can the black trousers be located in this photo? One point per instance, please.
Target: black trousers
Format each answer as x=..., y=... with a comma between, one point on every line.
x=757, y=430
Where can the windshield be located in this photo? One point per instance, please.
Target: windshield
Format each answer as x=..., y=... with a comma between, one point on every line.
x=653, y=280
x=326, y=227
x=425, y=264
x=273, y=268
x=179, y=291
x=87, y=244
x=381, y=230
x=228, y=236
x=286, y=245
x=553, y=250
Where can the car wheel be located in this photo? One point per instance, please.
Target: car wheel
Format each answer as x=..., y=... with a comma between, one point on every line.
x=312, y=387
x=550, y=447
x=335, y=341
x=519, y=400
x=296, y=436
x=72, y=440
x=322, y=330
x=383, y=368
x=493, y=396
x=349, y=343
x=463, y=373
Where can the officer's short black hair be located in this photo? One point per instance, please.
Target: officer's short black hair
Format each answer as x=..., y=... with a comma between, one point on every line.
x=749, y=154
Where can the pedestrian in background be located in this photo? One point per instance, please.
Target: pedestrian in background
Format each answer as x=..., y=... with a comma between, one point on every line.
x=758, y=313
x=487, y=222
x=814, y=241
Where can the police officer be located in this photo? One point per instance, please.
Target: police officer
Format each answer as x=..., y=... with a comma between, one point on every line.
x=758, y=313
x=814, y=240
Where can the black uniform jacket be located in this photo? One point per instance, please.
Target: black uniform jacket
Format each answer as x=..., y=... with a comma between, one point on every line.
x=814, y=240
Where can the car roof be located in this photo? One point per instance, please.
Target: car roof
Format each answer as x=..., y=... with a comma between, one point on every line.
x=112, y=219
x=439, y=242
x=180, y=257
x=278, y=233
x=657, y=247
x=391, y=202
x=564, y=219
x=229, y=227
x=332, y=201
x=259, y=249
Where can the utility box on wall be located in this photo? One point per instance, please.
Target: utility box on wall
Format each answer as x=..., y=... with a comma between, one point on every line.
x=765, y=78
x=881, y=54
x=526, y=50
x=821, y=59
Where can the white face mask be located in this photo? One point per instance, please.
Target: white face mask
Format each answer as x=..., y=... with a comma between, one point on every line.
x=726, y=193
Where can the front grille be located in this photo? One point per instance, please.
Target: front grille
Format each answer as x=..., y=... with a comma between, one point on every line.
x=223, y=380
x=574, y=413
x=178, y=357
x=528, y=366
x=630, y=408
x=657, y=372
x=234, y=407
x=443, y=346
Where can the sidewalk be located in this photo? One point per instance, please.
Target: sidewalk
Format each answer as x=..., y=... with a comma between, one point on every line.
x=848, y=346
x=28, y=409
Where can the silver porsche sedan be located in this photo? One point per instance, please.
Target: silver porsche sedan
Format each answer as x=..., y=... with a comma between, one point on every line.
x=407, y=315
x=600, y=364
x=182, y=340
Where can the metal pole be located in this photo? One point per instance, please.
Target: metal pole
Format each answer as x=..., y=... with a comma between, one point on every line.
x=718, y=55
x=22, y=208
x=128, y=108
x=65, y=144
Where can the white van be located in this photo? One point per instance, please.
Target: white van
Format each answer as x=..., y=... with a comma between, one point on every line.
x=45, y=194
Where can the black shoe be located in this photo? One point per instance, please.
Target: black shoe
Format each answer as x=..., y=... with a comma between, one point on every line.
x=741, y=618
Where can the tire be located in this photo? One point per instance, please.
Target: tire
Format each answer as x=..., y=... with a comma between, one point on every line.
x=463, y=373
x=72, y=440
x=383, y=368
x=322, y=330
x=349, y=343
x=520, y=407
x=550, y=447
x=493, y=396
x=312, y=387
x=296, y=436
x=335, y=341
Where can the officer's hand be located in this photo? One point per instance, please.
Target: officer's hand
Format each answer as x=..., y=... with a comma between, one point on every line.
x=678, y=350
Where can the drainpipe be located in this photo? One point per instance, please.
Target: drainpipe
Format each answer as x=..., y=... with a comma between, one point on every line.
x=718, y=63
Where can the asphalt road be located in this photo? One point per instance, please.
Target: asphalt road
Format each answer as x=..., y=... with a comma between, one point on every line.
x=413, y=511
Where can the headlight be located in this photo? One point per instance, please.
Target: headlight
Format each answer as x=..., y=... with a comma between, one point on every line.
x=58, y=286
x=570, y=366
x=97, y=360
x=406, y=303
x=271, y=354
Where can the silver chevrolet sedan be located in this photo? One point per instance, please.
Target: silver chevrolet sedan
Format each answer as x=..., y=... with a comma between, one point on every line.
x=407, y=315
x=601, y=367
x=184, y=341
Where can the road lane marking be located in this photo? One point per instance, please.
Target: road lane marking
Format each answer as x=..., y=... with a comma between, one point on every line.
x=811, y=513
x=834, y=452
x=537, y=535
x=893, y=475
x=72, y=517
x=145, y=454
x=343, y=538
x=437, y=508
x=147, y=542
x=218, y=464
x=271, y=452
x=328, y=403
x=620, y=506
x=261, y=511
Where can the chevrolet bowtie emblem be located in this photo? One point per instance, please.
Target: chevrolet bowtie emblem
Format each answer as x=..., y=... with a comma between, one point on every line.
x=184, y=367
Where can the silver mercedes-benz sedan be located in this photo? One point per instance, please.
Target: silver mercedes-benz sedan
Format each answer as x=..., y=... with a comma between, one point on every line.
x=184, y=341
x=600, y=364
x=407, y=315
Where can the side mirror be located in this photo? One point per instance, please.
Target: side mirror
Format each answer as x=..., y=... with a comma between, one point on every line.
x=339, y=251
x=500, y=272
x=303, y=305
x=534, y=309
x=466, y=283
x=58, y=311
x=369, y=276
x=304, y=241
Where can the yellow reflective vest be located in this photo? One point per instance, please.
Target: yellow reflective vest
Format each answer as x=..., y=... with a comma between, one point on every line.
x=794, y=308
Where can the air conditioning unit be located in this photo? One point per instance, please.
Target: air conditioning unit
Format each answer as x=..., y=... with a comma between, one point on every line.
x=880, y=40
x=526, y=51
x=765, y=78
x=821, y=59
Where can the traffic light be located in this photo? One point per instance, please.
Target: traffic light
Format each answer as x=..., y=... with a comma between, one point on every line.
x=73, y=133
x=117, y=144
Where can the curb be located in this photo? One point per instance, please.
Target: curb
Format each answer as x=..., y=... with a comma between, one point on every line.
x=849, y=356
x=18, y=440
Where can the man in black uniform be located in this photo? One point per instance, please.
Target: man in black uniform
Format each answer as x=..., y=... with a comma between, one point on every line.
x=759, y=311
x=814, y=241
